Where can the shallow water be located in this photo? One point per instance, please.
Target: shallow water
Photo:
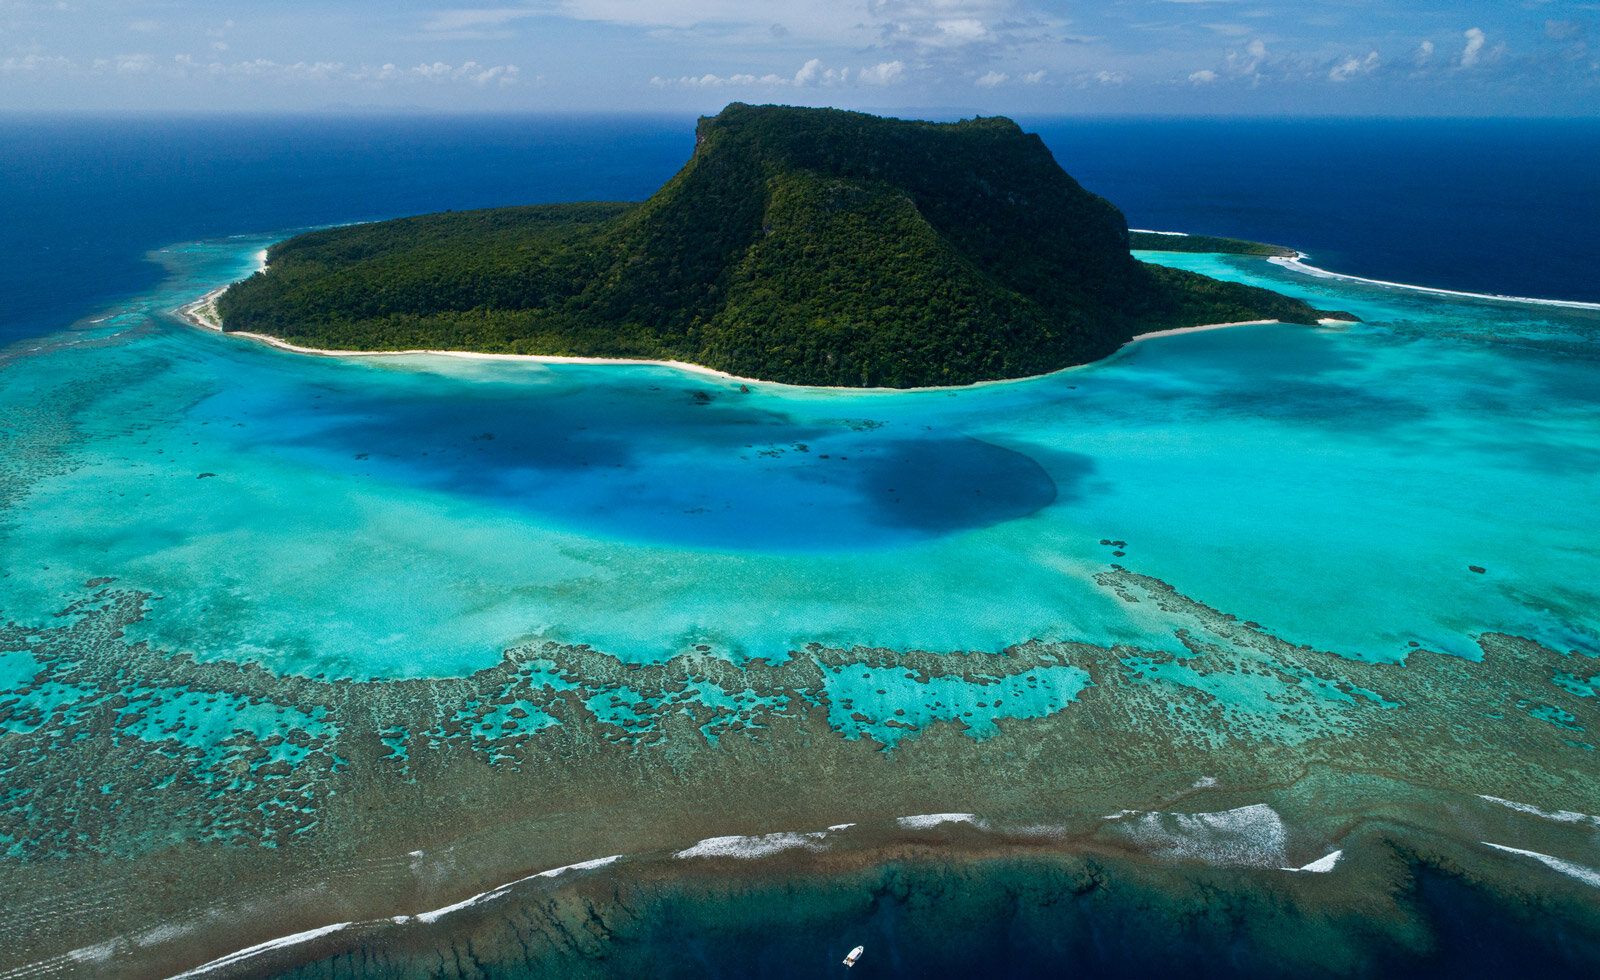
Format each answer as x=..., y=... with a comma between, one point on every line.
x=415, y=515
x=615, y=609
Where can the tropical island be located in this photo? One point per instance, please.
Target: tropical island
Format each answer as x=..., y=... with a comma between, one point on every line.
x=807, y=246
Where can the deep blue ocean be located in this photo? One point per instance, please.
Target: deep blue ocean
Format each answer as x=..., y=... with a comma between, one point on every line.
x=1500, y=206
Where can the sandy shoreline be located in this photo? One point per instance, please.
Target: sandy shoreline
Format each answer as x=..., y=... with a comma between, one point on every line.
x=202, y=313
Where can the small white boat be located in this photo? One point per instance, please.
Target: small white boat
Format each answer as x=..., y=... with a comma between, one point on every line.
x=853, y=955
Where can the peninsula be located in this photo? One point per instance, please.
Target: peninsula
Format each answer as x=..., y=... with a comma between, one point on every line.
x=807, y=246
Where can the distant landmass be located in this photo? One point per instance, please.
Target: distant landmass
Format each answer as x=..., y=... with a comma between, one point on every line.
x=808, y=246
x=1167, y=241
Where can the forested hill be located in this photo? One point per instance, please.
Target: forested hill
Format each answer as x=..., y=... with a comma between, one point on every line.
x=811, y=246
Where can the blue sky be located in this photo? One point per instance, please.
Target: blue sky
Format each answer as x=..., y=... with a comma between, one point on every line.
x=1184, y=57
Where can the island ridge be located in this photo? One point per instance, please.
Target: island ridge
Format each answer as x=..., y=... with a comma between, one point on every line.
x=806, y=246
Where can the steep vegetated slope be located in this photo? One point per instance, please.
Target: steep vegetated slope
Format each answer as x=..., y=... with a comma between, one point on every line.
x=810, y=246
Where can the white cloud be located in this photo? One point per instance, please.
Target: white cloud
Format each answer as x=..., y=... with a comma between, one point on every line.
x=991, y=79
x=1255, y=65
x=1247, y=64
x=923, y=25
x=1564, y=30
x=1423, y=55
x=469, y=71
x=486, y=24
x=1113, y=77
x=803, y=18
x=709, y=80
x=811, y=74
x=1352, y=66
x=1033, y=77
x=1469, y=54
x=962, y=31
x=808, y=72
x=882, y=73
x=188, y=66
x=127, y=64
x=144, y=26
x=36, y=62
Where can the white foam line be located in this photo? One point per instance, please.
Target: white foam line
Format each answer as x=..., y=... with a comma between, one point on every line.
x=96, y=952
x=1321, y=865
x=1559, y=816
x=58, y=963
x=1250, y=835
x=753, y=846
x=1152, y=231
x=1586, y=875
x=923, y=821
x=580, y=866
x=437, y=914
x=1298, y=264
x=259, y=948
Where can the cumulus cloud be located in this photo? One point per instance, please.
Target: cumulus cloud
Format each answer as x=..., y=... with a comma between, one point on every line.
x=882, y=73
x=1034, y=77
x=811, y=74
x=1249, y=61
x=188, y=66
x=991, y=79
x=126, y=64
x=1352, y=66
x=962, y=30
x=36, y=62
x=808, y=72
x=1255, y=65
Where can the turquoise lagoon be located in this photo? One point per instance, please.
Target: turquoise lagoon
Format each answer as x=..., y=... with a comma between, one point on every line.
x=415, y=515
x=321, y=640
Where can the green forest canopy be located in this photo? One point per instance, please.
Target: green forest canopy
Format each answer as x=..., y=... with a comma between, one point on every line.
x=809, y=246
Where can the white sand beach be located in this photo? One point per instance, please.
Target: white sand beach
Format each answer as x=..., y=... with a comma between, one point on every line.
x=202, y=313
